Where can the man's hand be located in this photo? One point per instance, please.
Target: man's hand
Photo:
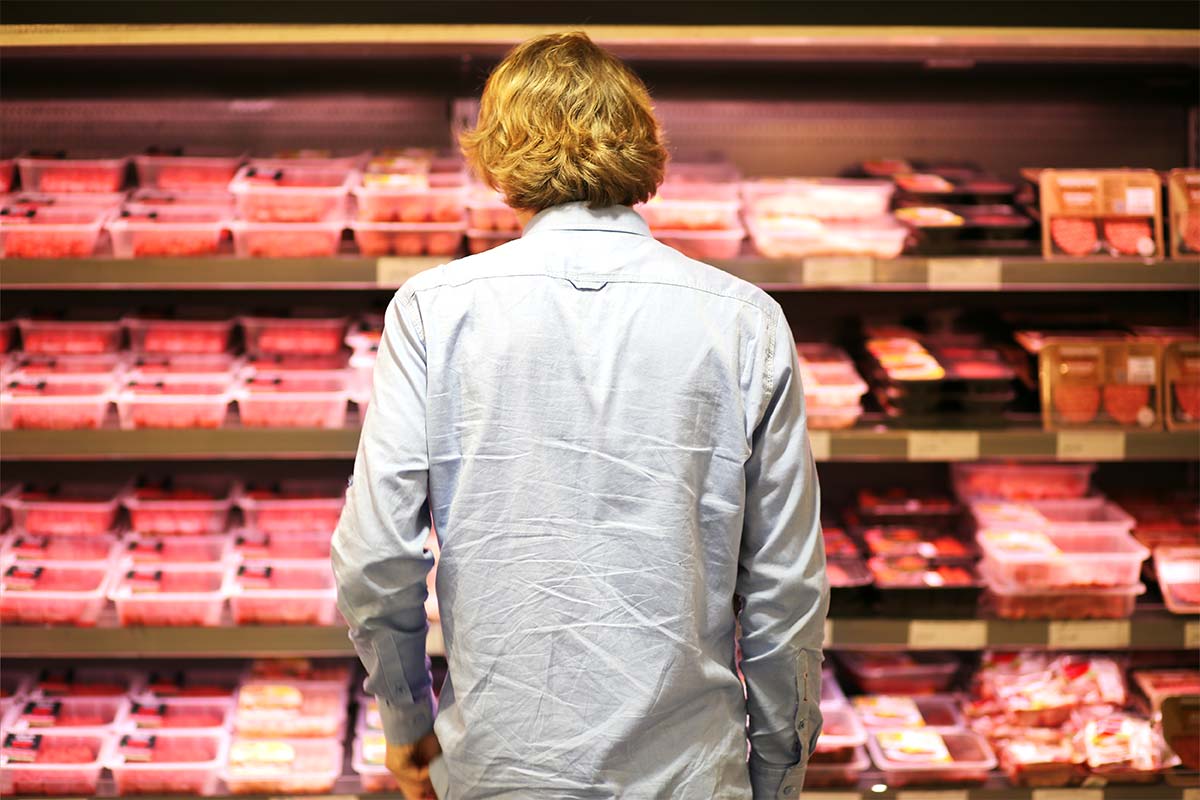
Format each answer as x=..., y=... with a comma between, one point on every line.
x=410, y=764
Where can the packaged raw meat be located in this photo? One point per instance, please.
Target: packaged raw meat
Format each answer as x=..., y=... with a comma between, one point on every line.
x=294, y=336
x=1183, y=196
x=53, y=762
x=964, y=229
x=276, y=365
x=688, y=214
x=487, y=213
x=143, y=550
x=301, y=400
x=108, y=202
x=408, y=239
x=1099, y=384
x=168, y=762
x=394, y=197
x=258, y=546
x=290, y=708
x=916, y=586
x=909, y=540
x=480, y=241
x=180, y=506
x=1014, y=601
x=178, y=336
x=849, y=582
x=1037, y=690
x=704, y=245
x=977, y=481
x=55, y=402
x=702, y=176
x=312, y=157
x=69, y=337
x=71, y=172
x=1033, y=762
x=821, y=775
x=301, y=669
x=292, y=193
x=916, y=673
x=7, y=169
x=284, y=592
x=68, y=712
x=800, y=237
x=1159, y=684
x=187, y=170
x=898, y=506
x=144, y=201
x=837, y=543
x=32, y=367
x=818, y=198
x=282, y=766
x=69, y=509
x=295, y=506
x=924, y=756
x=52, y=593
x=370, y=750
x=841, y=735
x=1178, y=570
x=175, y=401
x=86, y=681
x=171, y=594
x=1181, y=382
x=898, y=711
x=362, y=367
x=182, y=713
x=1125, y=749
x=1107, y=212
x=286, y=239
x=40, y=547
x=832, y=695
x=50, y=232
x=194, y=685
x=167, y=232
x=1043, y=559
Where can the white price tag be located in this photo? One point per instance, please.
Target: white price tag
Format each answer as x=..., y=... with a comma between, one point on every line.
x=1067, y=794
x=925, y=794
x=964, y=273
x=1091, y=445
x=839, y=270
x=940, y=634
x=392, y=272
x=821, y=443
x=1088, y=634
x=943, y=445
x=1191, y=635
x=1141, y=370
x=1140, y=200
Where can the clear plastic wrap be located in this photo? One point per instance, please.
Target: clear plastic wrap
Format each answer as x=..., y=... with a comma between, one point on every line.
x=172, y=594
x=53, y=593
x=53, y=762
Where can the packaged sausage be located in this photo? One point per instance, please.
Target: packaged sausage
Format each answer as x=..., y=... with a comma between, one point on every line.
x=1100, y=384
x=1116, y=212
x=1183, y=202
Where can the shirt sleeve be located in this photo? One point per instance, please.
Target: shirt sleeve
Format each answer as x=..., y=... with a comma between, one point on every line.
x=379, y=556
x=782, y=582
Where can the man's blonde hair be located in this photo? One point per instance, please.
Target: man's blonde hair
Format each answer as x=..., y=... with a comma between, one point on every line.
x=564, y=120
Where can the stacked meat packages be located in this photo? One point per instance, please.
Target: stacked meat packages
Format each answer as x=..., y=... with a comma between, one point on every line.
x=833, y=389
x=410, y=202
x=697, y=209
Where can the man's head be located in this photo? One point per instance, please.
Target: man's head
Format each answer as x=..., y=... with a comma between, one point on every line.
x=564, y=120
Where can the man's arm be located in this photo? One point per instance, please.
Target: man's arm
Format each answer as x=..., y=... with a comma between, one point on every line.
x=781, y=580
x=379, y=556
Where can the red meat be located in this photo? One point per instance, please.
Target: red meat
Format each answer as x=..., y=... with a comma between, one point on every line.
x=1126, y=234
x=69, y=341
x=1187, y=396
x=1124, y=401
x=1077, y=403
x=174, y=243
x=80, y=179
x=1075, y=237
x=192, y=177
x=1190, y=231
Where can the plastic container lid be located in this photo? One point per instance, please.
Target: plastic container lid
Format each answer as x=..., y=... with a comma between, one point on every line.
x=178, y=713
x=1178, y=570
x=936, y=711
x=930, y=752
x=75, y=549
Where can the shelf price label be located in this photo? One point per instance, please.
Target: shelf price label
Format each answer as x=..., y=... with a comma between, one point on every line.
x=838, y=271
x=1091, y=445
x=940, y=634
x=821, y=443
x=965, y=273
x=1191, y=637
x=943, y=445
x=1067, y=794
x=1088, y=634
x=392, y=272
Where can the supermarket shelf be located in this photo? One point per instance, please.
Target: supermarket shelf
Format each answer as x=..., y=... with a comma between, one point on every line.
x=1147, y=630
x=855, y=444
x=737, y=42
x=860, y=274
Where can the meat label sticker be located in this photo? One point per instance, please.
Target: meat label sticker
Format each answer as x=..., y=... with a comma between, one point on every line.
x=146, y=715
x=1141, y=370
x=41, y=713
x=1088, y=634
x=254, y=546
x=18, y=578
x=30, y=546
x=964, y=273
x=938, y=634
x=56, y=681
x=821, y=444
x=391, y=272
x=165, y=684
x=1091, y=445
x=1140, y=200
x=148, y=548
x=138, y=746
x=943, y=445
x=838, y=271
x=255, y=577
x=143, y=580
x=1067, y=794
x=22, y=746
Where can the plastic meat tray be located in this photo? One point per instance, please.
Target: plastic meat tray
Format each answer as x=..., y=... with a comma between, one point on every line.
x=295, y=401
x=93, y=201
x=293, y=193
x=143, y=550
x=849, y=582
x=187, y=170
x=32, y=367
x=175, y=401
x=145, y=200
x=284, y=592
x=169, y=233
x=66, y=509
x=181, y=506
x=71, y=172
x=283, y=767
x=1035, y=559
x=286, y=240
x=172, y=594
x=1016, y=602
x=901, y=673
x=52, y=762
x=408, y=239
x=832, y=695
x=86, y=681
x=820, y=198
x=910, y=540
x=39, y=547
x=382, y=201
x=149, y=366
x=1038, y=762
x=299, y=336
x=69, y=337
x=1022, y=481
x=194, y=685
x=257, y=546
x=841, y=735
x=66, y=402
x=916, y=586
x=893, y=711
x=822, y=775
x=1178, y=570
x=480, y=241
x=370, y=749
x=668, y=214
x=487, y=212
x=897, y=506
x=800, y=237
x=296, y=506
x=68, y=712
x=52, y=593
x=186, y=713
x=704, y=245
x=149, y=336
x=50, y=232
x=923, y=756
x=291, y=708
x=168, y=762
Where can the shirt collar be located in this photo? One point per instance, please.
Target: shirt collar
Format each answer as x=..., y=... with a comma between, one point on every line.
x=579, y=217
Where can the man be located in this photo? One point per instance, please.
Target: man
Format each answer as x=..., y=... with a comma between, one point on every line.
x=610, y=440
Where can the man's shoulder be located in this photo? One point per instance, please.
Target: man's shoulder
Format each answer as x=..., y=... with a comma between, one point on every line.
x=714, y=280
x=490, y=263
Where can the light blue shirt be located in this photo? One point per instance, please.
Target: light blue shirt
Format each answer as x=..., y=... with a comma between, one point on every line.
x=610, y=439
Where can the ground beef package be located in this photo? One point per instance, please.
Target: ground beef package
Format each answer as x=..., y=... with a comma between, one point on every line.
x=1111, y=212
